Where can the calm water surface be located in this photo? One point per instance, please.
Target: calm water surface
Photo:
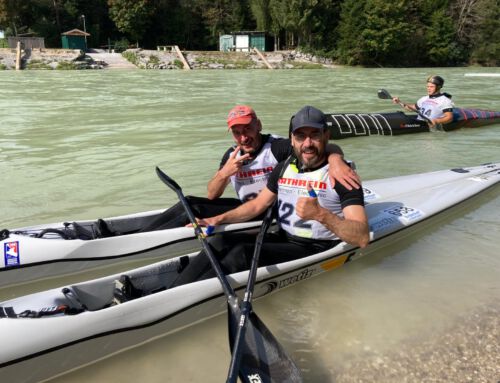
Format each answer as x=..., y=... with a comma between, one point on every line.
x=77, y=145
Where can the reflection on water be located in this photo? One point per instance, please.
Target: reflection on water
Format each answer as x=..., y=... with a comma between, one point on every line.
x=77, y=145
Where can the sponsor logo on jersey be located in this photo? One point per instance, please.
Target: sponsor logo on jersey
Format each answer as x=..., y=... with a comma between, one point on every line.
x=254, y=172
x=294, y=182
x=11, y=253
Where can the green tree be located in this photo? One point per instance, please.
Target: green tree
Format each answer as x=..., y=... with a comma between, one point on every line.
x=374, y=32
x=131, y=16
x=352, y=22
x=15, y=16
x=223, y=16
x=486, y=34
x=442, y=48
x=260, y=12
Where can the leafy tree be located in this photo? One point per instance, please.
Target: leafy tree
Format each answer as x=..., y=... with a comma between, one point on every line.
x=261, y=14
x=351, y=25
x=131, y=16
x=277, y=13
x=15, y=16
x=442, y=48
x=486, y=34
x=375, y=32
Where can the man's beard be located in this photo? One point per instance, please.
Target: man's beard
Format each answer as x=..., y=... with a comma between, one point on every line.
x=309, y=163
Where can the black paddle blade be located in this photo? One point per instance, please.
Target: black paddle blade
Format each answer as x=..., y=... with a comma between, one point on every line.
x=168, y=181
x=384, y=95
x=263, y=359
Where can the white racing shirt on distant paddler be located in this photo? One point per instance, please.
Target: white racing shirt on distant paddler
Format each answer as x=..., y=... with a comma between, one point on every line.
x=434, y=106
x=253, y=176
x=293, y=184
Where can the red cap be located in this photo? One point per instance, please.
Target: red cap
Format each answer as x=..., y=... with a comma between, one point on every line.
x=240, y=114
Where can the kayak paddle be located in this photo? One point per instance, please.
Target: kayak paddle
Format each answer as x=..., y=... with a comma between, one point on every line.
x=385, y=95
x=243, y=357
x=263, y=359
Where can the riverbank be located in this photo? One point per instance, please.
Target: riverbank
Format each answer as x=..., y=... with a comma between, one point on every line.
x=48, y=59
x=467, y=350
x=150, y=59
x=158, y=59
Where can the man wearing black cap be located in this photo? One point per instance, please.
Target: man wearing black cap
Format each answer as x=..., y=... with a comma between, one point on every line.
x=307, y=224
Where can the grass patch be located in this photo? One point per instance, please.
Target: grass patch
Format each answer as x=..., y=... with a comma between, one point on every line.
x=3, y=67
x=244, y=64
x=236, y=63
x=178, y=64
x=153, y=60
x=38, y=64
x=132, y=57
x=66, y=65
x=304, y=65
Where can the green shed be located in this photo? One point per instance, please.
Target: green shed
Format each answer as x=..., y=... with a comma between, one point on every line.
x=245, y=40
x=75, y=39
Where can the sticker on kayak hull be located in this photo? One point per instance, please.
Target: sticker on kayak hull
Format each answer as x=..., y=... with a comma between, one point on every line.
x=393, y=217
x=380, y=223
x=405, y=212
x=11, y=253
x=369, y=195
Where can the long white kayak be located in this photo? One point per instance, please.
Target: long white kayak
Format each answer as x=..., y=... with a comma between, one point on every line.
x=57, y=249
x=52, y=332
x=66, y=248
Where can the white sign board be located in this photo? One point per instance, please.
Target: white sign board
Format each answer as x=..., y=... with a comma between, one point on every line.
x=242, y=43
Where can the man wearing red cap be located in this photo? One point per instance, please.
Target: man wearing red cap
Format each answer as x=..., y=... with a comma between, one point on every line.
x=247, y=166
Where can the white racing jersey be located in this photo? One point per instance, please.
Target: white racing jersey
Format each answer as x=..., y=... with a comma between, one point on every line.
x=293, y=185
x=252, y=177
x=434, y=106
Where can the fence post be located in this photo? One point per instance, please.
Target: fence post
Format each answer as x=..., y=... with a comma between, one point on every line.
x=18, y=56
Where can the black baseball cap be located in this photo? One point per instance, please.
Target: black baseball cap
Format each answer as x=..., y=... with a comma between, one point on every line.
x=308, y=117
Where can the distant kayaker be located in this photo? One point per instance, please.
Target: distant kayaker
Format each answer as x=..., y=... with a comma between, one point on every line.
x=307, y=224
x=247, y=166
x=436, y=106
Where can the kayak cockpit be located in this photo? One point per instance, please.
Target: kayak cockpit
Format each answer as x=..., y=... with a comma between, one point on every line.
x=98, y=295
x=88, y=230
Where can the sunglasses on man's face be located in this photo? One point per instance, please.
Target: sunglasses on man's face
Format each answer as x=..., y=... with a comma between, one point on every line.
x=314, y=136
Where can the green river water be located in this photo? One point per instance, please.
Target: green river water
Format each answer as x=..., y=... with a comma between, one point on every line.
x=84, y=144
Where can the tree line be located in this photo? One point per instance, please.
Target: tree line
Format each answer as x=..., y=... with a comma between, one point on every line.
x=354, y=32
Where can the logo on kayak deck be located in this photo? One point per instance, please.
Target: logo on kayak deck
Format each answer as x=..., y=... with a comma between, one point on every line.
x=409, y=125
x=11, y=253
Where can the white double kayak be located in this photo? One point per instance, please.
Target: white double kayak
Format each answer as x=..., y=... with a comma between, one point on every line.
x=55, y=331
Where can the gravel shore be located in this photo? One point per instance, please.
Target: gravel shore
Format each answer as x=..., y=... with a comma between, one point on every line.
x=468, y=351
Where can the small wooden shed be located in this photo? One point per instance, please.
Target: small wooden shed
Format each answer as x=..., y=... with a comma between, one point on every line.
x=74, y=39
x=246, y=40
x=226, y=43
